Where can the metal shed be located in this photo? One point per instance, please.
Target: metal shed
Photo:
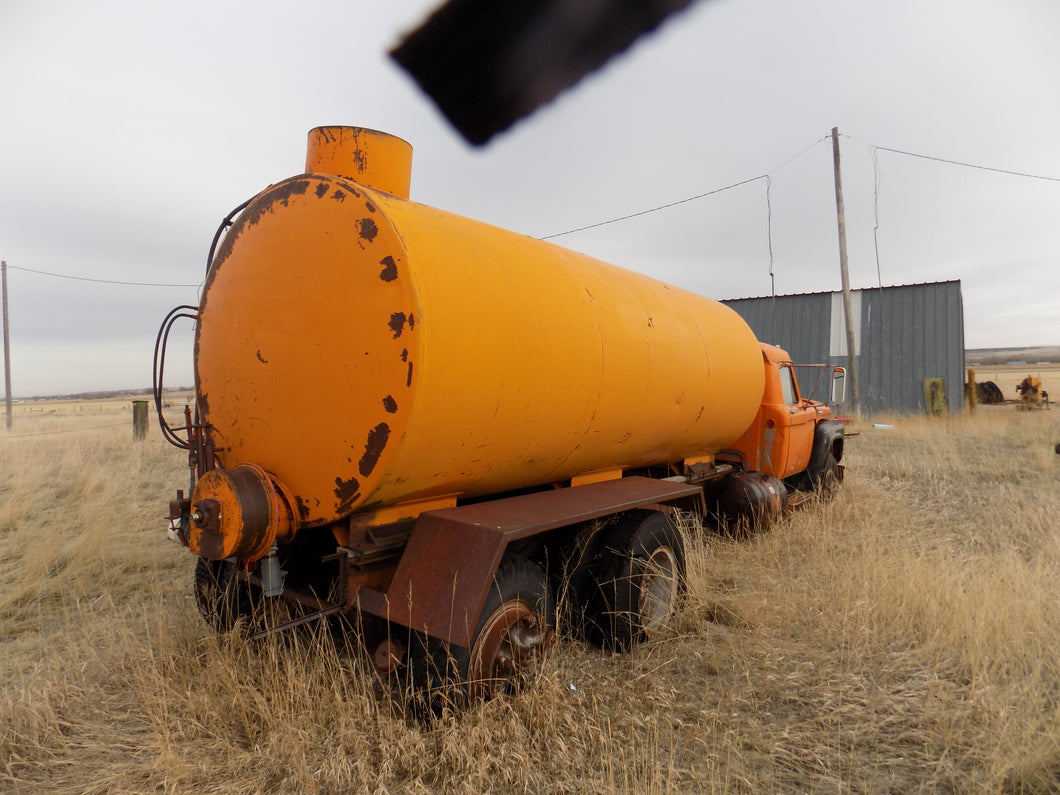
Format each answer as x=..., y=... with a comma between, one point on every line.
x=902, y=336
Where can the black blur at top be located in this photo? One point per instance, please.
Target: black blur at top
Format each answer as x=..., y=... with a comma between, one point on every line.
x=488, y=63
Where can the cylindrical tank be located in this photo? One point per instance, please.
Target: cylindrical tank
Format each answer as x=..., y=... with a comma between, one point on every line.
x=367, y=350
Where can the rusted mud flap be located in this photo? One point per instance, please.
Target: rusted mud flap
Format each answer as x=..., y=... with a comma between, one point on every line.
x=447, y=568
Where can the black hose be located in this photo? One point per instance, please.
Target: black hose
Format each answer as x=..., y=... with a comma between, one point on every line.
x=159, y=366
x=227, y=222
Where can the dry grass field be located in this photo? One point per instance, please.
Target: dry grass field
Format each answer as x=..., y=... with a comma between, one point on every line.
x=903, y=638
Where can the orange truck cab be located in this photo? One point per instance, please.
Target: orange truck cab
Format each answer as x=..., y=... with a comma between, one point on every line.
x=792, y=437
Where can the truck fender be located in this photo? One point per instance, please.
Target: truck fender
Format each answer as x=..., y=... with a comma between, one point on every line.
x=447, y=568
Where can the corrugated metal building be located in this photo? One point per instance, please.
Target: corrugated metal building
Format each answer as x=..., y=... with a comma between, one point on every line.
x=902, y=335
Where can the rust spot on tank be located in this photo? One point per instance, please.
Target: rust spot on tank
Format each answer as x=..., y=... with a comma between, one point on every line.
x=368, y=229
x=397, y=323
x=303, y=509
x=346, y=491
x=351, y=188
x=373, y=448
x=281, y=194
x=390, y=404
x=262, y=205
x=389, y=272
x=369, y=207
x=261, y=358
x=338, y=196
x=404, y=354
x=408, y=381
x=412, y=321
x=322, y=188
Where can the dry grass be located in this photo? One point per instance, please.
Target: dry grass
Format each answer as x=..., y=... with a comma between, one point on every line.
x=904, y=638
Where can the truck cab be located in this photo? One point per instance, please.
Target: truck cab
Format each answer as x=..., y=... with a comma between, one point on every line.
x=792, y=437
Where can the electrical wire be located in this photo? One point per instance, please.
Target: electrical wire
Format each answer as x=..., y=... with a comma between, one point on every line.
x=98, y=281
x=876, y=214
x=966, y=165
x=668, y=205
x=1009, y=172
x=654, y=209
x=874, y=151
x=769, y=238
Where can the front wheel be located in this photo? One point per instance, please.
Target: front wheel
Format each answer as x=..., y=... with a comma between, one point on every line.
x=827, y=481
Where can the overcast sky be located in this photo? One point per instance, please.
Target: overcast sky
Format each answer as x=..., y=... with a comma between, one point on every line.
x=129, y=129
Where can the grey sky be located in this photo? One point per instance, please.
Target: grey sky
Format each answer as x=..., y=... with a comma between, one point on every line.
x=129, y=129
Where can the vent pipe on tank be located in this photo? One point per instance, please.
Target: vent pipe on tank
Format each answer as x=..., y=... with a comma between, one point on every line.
x=372, y=158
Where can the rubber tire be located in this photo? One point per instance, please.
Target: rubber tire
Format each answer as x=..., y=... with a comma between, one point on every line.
x=437, y=673
x=826, y=483
x=222, y=598
x=570, y=568
x=622, y=572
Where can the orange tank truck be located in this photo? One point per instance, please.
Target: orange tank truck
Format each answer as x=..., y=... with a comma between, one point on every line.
x=443, y=424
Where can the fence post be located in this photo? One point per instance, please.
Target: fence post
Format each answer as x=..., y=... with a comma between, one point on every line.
x=139, y=420
x=970, y=396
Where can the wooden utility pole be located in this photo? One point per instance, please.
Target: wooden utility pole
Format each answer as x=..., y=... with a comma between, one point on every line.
x=852, y=365
x=7, y=347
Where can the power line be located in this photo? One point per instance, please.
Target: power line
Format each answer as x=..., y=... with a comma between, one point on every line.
x=876, y=214
x=764, y=176
x=654, y=209
x=97, y=281
x=956, y=162
x=874, y=151
x=969, y=165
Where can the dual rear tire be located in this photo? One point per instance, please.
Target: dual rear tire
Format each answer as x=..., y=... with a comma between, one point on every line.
x=627, y=591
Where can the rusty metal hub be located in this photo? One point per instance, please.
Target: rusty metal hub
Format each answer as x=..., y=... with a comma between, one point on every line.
x=509, y=649
x=240, y=512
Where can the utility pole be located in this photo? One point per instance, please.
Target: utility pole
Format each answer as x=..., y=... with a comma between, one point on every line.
x=852, y=366
x=7, y=347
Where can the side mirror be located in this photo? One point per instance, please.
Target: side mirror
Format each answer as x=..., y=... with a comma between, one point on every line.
x=839, y=385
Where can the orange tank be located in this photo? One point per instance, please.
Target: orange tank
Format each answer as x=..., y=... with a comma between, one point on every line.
x=368, y=352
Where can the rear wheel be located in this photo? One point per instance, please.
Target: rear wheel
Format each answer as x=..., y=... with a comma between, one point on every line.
x=507, y=649
x=222, y=597
x=511, y=640
x=638, y=576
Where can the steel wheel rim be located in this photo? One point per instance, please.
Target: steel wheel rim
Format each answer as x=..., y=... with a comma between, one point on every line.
x=658, y=591
x=508, y=650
